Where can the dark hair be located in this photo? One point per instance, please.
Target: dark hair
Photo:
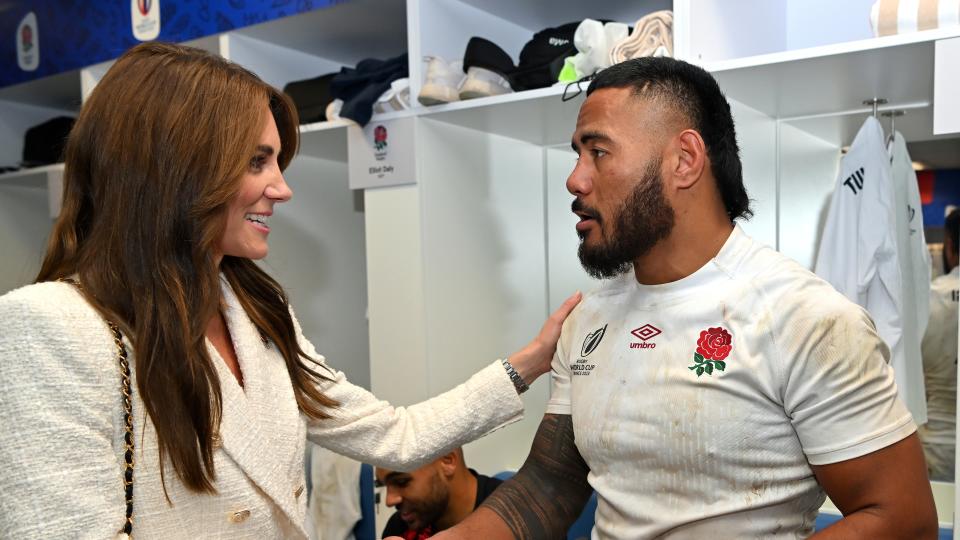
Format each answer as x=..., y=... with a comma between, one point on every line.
x=951, y=228
x=155, y=157
x=694, y=93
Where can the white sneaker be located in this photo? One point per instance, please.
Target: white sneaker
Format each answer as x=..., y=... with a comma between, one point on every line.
x=396, y=98
x=333, y=112
x=442, y=81
x=333, y=109
x=482, y=82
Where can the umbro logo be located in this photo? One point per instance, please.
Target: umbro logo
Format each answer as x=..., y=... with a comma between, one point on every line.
x=592, y=341
x=645, y=333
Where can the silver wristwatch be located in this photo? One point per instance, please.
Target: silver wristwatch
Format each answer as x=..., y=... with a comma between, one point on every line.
x=518, y=383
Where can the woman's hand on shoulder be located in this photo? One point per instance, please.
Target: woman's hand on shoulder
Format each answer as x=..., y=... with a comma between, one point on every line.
x=534, y=359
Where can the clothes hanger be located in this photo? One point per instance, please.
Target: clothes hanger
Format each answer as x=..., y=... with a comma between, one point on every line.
x=892, y=115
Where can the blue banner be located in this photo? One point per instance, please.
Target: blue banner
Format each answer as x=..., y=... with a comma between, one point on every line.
x=938, y=190
x=45, y=37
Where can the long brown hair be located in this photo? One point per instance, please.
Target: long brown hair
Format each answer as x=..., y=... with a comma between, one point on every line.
x=154, y=158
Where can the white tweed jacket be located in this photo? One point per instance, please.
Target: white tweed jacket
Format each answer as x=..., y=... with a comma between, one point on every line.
x=61, y=443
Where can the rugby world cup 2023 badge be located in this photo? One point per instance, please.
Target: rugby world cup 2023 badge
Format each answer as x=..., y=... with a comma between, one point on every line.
x=590, y=343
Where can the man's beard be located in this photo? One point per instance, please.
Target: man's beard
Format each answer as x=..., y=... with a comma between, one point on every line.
x=429, y=509
x=644, y=219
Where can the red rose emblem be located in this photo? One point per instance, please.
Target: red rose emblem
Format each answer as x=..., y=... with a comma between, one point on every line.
x=379, y=134
x=712, y=349
x=714, y=343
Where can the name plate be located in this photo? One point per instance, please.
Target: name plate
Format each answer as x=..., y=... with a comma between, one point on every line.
x=382, y=154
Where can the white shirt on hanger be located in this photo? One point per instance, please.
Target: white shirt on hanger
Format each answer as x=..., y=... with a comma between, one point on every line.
x=912, y=249
x=858, y=253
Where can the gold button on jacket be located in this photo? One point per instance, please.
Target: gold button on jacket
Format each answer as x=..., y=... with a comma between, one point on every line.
x=239, y=517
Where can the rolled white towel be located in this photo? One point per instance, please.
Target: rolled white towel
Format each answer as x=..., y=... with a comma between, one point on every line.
x=651, y=32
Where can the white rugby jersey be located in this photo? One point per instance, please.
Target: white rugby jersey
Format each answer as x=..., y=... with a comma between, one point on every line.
x=698, y=404
x=859, y=254
x=940, y=360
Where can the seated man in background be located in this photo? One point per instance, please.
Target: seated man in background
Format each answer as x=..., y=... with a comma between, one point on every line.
x=939, y=350
x=434, y=497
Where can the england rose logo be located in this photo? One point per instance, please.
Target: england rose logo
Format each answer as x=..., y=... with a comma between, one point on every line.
x=713, y=347
x=380, y=138
x=26, y=37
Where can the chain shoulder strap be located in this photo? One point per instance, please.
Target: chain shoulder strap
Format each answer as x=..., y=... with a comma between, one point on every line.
x=125, y=389
x=128, y=439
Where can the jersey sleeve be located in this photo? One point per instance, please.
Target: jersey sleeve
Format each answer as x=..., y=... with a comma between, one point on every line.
x=560, y=374
x=838, y=387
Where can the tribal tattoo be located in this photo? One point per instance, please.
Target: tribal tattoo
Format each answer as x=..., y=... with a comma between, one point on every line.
x=550, y=490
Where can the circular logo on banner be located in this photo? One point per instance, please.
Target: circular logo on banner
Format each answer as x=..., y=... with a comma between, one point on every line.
x=28, y=43
x=145, y=19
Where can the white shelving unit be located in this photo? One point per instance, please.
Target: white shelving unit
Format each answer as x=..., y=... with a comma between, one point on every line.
x=25, y=195
x=31, y=177
x=410, y=289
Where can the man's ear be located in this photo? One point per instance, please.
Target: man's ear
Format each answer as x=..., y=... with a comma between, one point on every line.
x=689, y=161
x=448, y=463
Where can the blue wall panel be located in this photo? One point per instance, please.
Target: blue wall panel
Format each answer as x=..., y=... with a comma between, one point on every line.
x=946, y=191
x=78, y=33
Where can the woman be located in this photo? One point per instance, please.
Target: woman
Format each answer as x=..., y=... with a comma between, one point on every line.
x=172, y=171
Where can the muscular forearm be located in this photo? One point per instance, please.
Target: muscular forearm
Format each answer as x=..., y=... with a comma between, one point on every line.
x=884, y=494
x=875, y=523
x=544, y=498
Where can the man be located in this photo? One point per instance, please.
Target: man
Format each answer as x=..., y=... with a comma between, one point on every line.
x=434, y=497
x=713, y=388
x=939, y=348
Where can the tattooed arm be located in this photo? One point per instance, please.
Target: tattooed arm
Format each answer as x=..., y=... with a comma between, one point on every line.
x=543, y=499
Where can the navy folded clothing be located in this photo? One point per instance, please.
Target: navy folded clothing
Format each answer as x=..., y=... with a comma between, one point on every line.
x=360, y=87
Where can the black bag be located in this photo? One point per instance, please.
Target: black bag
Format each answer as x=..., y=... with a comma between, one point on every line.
x=542, y=57
x=43, y=144
x=311, y=96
